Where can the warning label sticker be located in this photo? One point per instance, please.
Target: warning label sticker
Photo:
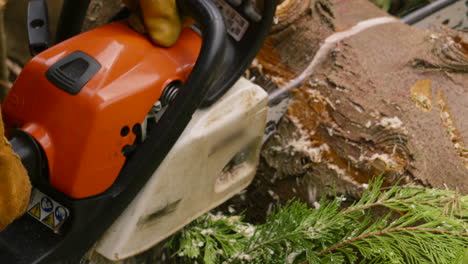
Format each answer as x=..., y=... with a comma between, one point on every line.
x=35, y=211
x=47, y=210
x=236, y=24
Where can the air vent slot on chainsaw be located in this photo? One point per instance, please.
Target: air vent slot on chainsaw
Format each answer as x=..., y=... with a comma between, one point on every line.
x=73, y=72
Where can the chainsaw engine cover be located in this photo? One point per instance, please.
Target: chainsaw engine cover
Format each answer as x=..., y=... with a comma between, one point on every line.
x=100, y=86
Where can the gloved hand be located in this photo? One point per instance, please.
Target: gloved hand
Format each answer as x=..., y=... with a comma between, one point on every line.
x=15, y=187
x=161, y=20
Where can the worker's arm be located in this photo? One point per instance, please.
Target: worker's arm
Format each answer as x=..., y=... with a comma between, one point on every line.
x=15, y=188
x=160, y=18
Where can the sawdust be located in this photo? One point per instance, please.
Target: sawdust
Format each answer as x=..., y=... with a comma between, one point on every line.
x=463, y=44
x=421, y=94
x=310, y=111
x=449, y=53
x=452, y=131
x=289, y=10
x=391, y=122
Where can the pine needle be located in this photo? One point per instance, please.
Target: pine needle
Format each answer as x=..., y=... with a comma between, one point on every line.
x=406, y=224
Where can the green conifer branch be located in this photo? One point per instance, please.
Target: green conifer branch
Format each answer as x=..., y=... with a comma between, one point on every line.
x=383, y=232
x=418, y=226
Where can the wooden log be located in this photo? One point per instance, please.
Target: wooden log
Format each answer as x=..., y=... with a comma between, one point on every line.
x=388, y=100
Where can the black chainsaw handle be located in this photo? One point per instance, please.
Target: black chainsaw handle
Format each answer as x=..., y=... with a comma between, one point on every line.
x=239, y=53
x=214, y=38
x=202, y=78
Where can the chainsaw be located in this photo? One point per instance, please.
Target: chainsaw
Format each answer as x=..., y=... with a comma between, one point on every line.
x=126, y=142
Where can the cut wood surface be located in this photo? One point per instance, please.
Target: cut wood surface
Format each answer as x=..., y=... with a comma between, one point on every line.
x=388, y=100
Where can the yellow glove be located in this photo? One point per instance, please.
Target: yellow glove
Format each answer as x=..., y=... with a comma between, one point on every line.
x=160, y=18
x=15, y=187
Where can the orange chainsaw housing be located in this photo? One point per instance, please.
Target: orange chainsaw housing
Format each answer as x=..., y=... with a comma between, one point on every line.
x=83, y=134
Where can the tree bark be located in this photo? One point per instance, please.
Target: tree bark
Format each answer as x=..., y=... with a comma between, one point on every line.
x=100, y=12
